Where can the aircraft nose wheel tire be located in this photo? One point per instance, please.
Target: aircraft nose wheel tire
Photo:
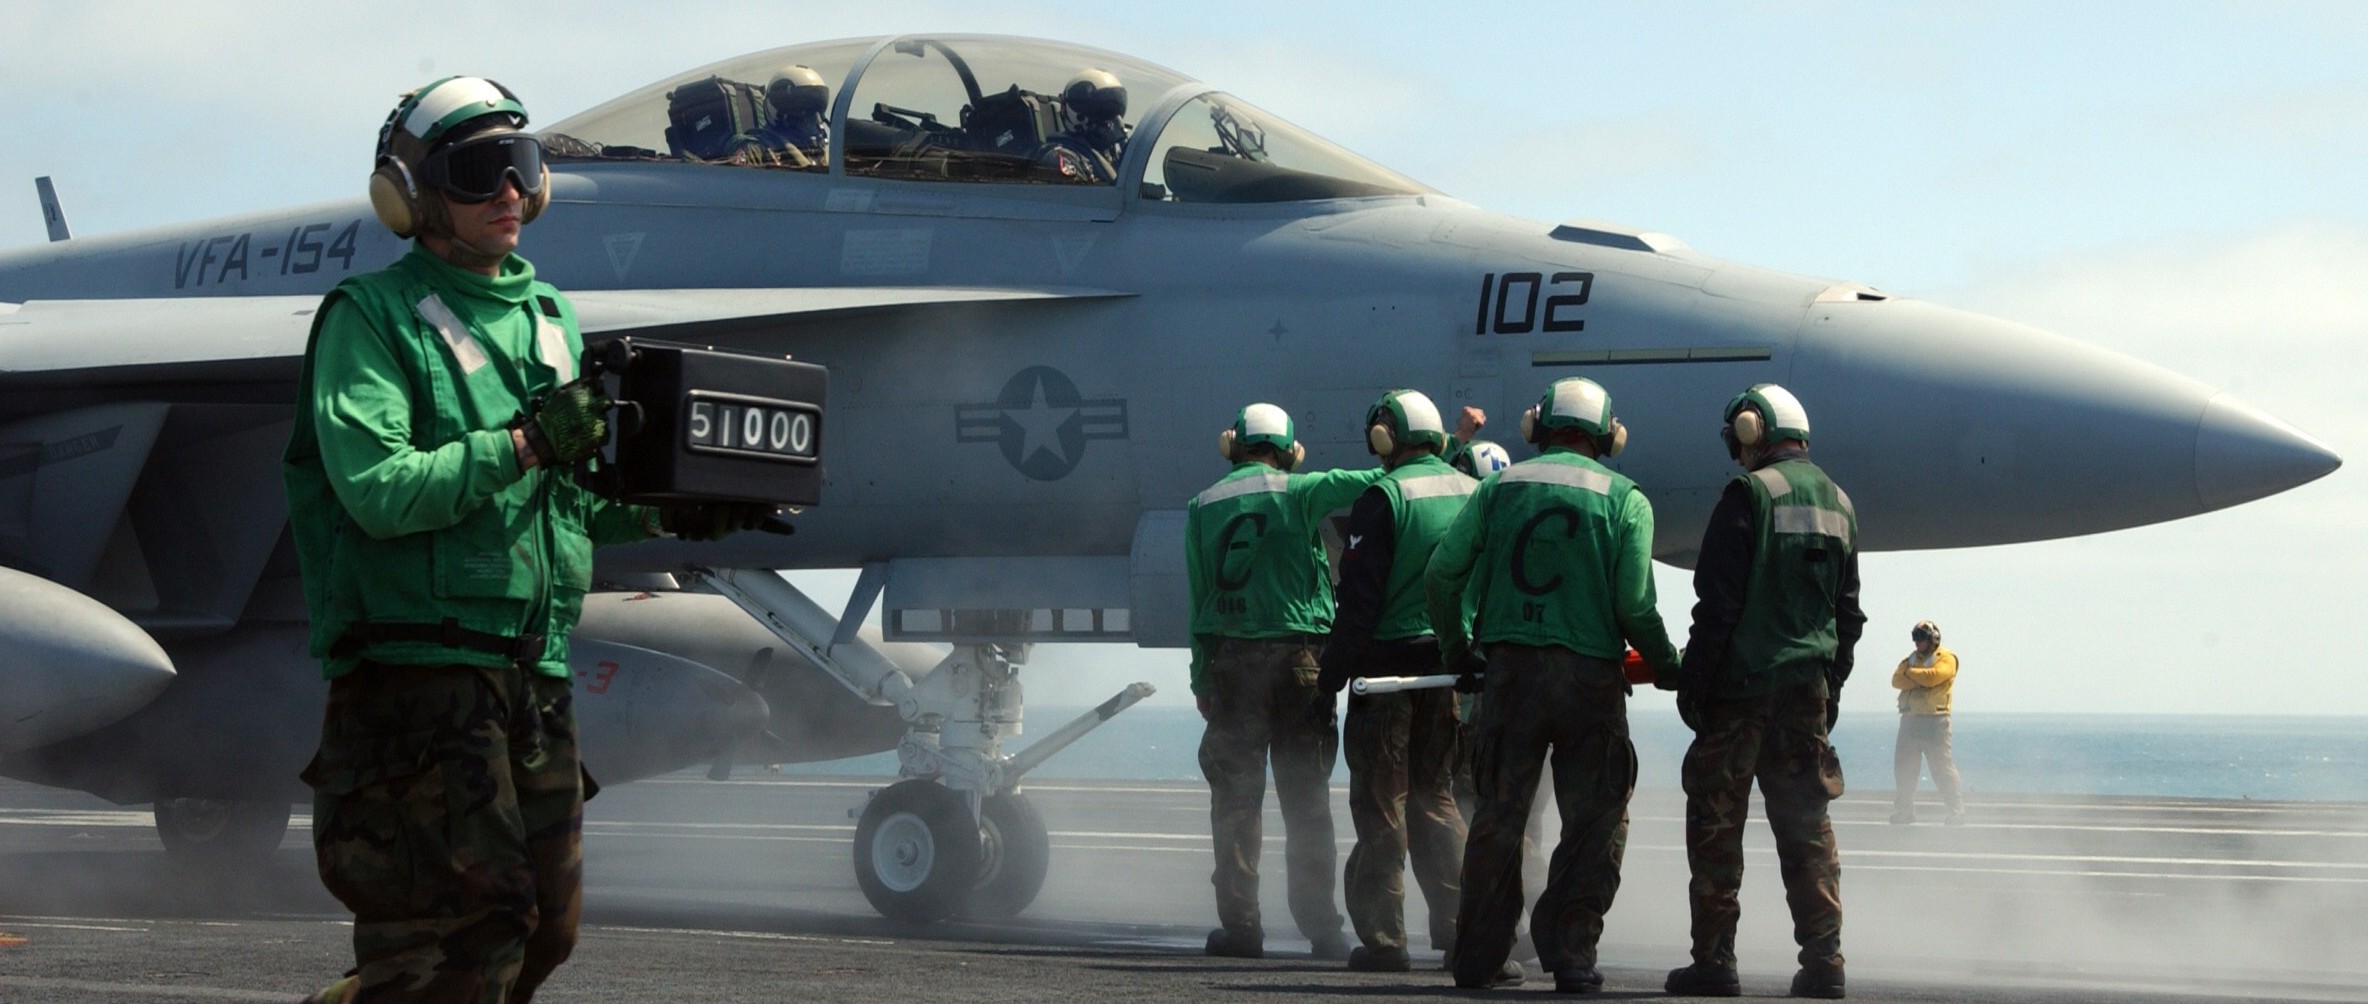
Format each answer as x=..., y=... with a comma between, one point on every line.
x=916, y=852
x=1014, y=854
x=218, y=833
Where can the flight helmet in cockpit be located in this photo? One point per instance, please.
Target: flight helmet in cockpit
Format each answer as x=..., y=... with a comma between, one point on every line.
x=797, y=103
x=1093, y=128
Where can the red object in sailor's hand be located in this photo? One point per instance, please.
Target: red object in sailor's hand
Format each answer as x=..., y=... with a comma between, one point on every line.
x=1632, y=666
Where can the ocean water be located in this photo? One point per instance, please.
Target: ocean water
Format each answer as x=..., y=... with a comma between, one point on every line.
x=2181, y=756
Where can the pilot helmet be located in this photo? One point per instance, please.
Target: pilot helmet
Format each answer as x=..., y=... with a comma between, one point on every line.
x=1481, y=458
x=1094, y=95
x=1403, y=418
x=1764, y=414
x=797, y=90
x=1577, y=403
x=1261, y=425
x=462, y=136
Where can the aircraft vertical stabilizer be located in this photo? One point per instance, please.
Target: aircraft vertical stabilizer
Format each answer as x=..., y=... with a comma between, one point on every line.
x=52, y=213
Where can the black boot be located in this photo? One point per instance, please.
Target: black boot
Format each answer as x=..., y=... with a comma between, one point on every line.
x=1823, y=982
x=1583, y=980
x=1329, y=948
x=1227, y=944
x=1507, y=975
x=1700, y=980
x=1379, y=960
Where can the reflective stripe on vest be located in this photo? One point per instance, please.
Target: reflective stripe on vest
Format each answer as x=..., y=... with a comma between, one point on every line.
x=1566, y=475
x=1269, y=482
x=465, y=349
x=1809, y=519
x=1434, y=486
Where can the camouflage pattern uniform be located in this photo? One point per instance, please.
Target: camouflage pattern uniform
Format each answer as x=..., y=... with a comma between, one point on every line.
x=1539, y=698
x=1775, y=624
x=1258, y=695
x=1779, y=739
x=448, y=816
x=1401, y=754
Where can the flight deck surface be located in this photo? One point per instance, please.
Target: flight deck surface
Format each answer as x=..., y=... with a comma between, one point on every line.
x=742, y=890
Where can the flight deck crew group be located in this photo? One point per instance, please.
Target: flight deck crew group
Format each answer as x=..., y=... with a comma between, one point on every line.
x=445, y=557
x=1529, y=584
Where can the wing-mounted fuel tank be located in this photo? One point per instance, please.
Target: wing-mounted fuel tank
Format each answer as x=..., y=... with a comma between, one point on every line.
x=68, y=664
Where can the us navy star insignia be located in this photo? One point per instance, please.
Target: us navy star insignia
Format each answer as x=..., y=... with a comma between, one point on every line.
x=1041, y=422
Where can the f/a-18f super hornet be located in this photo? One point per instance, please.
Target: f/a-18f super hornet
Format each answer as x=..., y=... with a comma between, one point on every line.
x=1041, y=277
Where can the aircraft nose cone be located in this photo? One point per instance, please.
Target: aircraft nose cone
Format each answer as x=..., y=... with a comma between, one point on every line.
x=2242, y=454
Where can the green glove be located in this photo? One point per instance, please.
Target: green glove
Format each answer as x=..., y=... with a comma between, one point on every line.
x=712, y=520
x=570, y=425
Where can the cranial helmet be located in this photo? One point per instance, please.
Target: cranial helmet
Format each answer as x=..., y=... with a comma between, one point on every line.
x=1403, y=418
x=1764, y=414
x=460, y=135
x=1481, y=458
x=797, y=90
x=1094, y=94
x=1261, y=425
x=1577, y=403
x=1924, y=630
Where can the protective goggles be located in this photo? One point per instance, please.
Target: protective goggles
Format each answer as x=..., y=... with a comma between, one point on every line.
x=472, y=170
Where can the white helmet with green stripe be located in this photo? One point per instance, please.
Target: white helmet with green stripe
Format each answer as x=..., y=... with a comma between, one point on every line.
x=471, y=111
x=1403, y=418
x=1577, y=403
x=1261, y=425
x=1766, y=413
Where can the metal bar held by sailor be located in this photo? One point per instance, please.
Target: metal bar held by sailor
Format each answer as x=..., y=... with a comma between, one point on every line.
x=1393, y=684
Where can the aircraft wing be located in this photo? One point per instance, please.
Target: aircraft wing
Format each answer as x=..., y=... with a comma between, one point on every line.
x=71, y=342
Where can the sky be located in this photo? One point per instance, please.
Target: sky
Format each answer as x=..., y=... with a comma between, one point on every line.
x=2181, y=182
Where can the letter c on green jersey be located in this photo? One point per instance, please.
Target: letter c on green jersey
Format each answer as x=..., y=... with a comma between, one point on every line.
x=1521, y=579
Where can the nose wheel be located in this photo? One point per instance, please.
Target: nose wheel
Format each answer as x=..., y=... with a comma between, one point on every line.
x=1015, y=853
x=917, y=851
x=920, y=858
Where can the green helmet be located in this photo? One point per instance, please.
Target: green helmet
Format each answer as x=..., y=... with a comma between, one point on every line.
x=426, y=115
x=1403, y=418
x=1261, y=425
x=1576, y=403
x=1766, y=413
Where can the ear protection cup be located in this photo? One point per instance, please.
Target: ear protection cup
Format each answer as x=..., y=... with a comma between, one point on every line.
x=1610, y=446
x=1529, y=425
x=1226, y=447
x=394, y=197
x=1748, y=428
x=1380, y=439
x=533, y=205
x=1298, y=457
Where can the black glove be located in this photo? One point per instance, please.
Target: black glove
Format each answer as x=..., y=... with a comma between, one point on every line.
x=1690, y=705
x=568, y=426
x=1833, y=700
x=1331, y=670
x=712, y=520
x=1471, y=674
x=1323, y=710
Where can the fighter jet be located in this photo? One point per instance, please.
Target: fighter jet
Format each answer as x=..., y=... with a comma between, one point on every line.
x=1041, y=276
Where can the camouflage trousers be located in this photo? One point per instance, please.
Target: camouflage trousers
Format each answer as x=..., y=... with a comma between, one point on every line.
x=1924, y=739
x=1545, y=705
x=448, y=810
x=1401, y=757
x=1779, y=739
x=1259, y=694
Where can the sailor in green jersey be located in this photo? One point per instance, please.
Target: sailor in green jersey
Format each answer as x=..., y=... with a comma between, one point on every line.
x=1261, y=597
x=1776, y=620
x=1554, y=557
x=445, y=555
x=1400, y=747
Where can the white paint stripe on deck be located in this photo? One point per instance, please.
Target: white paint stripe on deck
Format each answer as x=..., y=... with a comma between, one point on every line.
x=164, y=990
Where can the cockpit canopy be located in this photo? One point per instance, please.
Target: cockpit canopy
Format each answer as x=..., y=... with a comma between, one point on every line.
x=972, y=109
